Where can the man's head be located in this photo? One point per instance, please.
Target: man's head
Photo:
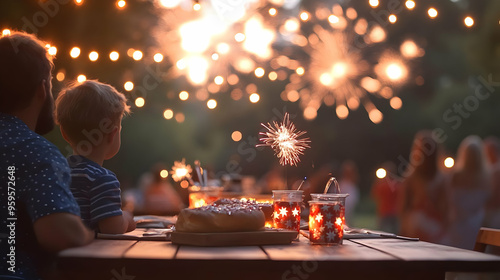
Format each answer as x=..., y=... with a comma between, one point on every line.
x=25, y=69
x=91, y=112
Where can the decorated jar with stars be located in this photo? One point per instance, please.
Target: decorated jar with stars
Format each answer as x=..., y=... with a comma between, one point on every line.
x=286, y=206
x=327, y=220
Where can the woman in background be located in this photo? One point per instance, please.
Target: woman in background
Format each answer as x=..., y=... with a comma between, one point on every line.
x=424, y=203
x=469, y=188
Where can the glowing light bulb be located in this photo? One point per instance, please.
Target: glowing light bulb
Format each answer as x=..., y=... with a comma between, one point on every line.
x=410, y=4
x=81, y=78
x=114, y=55
x=218, y=80
x=128, y=86
x=137, y=55
x=273, y=12
x=164, y=173
x=158, y=57
x=121, y=4
x=93, y=56
x=75, y=52
x=432, y=12
x=393, y=18
x=449, y=162
x=381, y=173
x=211, y=104
x=168, y=114
x=183, y=95
x=52, y=50
x=469, y=22
x=254, y=97
x=259, y=72
x=373, y=3
x=139, y=102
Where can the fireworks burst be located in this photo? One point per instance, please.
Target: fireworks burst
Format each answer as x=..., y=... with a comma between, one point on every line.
x=284, y=140
x=181, y=171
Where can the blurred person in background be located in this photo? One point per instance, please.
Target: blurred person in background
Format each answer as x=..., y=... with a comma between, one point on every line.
x=492, y=150
x=424, y=201
x=469, y=189
x=159, y=196
x=349, y=184
x=385, y=192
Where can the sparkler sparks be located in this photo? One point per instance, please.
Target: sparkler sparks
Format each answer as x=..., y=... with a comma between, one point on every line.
x=284, y=140
x=181, y=171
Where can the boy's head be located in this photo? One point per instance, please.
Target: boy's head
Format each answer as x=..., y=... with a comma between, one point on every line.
x=90, y=114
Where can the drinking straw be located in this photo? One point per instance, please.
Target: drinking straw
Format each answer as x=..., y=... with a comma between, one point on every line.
x=301, y=183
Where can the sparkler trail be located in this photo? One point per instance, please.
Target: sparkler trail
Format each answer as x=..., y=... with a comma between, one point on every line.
x=180, y=171
x=284, y=140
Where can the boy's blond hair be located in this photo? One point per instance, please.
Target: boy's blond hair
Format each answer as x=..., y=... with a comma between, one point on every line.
x=83, y=107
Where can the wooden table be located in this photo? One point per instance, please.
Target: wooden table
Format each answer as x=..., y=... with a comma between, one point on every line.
x=355, y=259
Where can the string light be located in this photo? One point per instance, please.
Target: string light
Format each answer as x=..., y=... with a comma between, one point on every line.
x=239, y=37
x=259, y=72
x=273, y=12
x=75, y=52
x=410, y=4
x=304, y=16
x=197, y=7
x=168, y=114
x=449, y=162
x=93, y=56
x=114, y=55
x=5, y=32
x=60, y=76
x=392, y=18
x=183, y=95
x=158, y=57
x=254, y=97
x=381, y=173
x=218, y=80
x=432, y=12
x=128, y=86
x=137, y=55
x=469, y=22
x=52, y=50
x=373, y=3
x=121, y=4
x=139, y=102
x=81, y=78
x=211, y=104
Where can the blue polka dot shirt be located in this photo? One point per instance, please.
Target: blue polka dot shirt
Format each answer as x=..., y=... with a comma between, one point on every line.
x=35, y=175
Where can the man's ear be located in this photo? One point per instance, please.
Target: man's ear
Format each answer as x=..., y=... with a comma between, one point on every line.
x=110, y=137
x=41, y=91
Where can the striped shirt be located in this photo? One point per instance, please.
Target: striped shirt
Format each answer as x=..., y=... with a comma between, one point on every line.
x=96, y=190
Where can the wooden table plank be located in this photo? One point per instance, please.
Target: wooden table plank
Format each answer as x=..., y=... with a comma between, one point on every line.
x=152, y=250
x=303, y=251
x=99, y=249
x=418, y=251
x=221, y=253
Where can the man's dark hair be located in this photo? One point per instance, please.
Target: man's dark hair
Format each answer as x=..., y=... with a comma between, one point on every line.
x=24, y=64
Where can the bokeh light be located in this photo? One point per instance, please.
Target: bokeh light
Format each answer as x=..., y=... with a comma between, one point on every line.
x=469, y=21
x=93, y=56
x=211, y=104
x=183, y=95
x=432, y=12
x=114, y=55
x=449, y=162
x=137, y=55
x=164, y=173
x=128, y=86
x=81, y=78
x=254, y=97
x=381, y=173
x=236, y=136
x=140, y=102
x=168, y=114
x=75, y=52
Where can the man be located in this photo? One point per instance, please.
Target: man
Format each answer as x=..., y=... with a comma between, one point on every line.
x=39, y=214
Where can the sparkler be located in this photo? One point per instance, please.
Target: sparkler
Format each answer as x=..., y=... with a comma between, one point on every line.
x=181, y=171
x=284, y=140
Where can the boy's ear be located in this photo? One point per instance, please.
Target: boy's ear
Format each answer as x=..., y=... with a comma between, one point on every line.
x=114, y=133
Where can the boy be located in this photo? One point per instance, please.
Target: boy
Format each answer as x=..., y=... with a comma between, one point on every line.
x=89, y=115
